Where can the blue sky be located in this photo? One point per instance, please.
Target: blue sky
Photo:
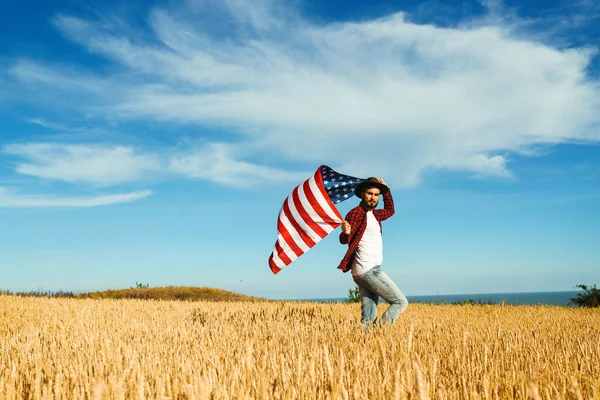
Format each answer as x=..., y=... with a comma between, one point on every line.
x=155, y=142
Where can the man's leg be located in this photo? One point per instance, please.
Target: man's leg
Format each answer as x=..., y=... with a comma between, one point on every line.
x=383, y=285
x=368, y=301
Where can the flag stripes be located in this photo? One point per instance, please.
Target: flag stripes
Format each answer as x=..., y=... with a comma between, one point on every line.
x=308, y=215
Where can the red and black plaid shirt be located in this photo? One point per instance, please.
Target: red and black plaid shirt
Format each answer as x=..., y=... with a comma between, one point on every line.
x=357, y=218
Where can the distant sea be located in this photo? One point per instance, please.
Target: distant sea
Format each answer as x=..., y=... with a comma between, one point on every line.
x=531, y=298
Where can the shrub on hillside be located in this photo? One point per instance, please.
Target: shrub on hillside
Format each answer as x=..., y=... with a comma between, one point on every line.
x=353, y=295
x=172, y=293
x=472, y=302
x=590, y=298
x=41, y=293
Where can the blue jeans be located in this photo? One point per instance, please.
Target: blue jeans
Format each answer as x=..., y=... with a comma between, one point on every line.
x=371, y=285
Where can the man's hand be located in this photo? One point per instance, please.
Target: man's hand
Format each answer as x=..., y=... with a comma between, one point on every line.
x=346, y=228
x=382, y=181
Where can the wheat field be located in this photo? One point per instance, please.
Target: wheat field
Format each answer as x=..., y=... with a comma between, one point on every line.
x=140, y=349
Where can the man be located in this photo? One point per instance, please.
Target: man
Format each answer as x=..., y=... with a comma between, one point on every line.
x=362, y=232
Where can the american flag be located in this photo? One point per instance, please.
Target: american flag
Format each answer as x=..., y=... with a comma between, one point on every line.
x=309, y=214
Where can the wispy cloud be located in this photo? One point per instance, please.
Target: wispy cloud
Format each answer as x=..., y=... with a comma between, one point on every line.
x=59, y=131
x=103, y=165
x=559, y=24
x=217, y=162
x=405, y=96
x=12, y=199
x=96, y=165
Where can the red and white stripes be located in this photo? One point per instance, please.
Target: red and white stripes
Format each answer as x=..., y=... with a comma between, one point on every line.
x=306, y=217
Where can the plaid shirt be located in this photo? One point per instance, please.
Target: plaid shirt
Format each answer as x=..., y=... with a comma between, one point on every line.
x=357, y=218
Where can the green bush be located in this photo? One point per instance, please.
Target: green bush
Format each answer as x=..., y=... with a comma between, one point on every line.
x=353, y=295
x=472, y=302
x=591, y=297
x=139, y=285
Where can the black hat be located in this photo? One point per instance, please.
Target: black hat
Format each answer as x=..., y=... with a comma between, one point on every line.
x=370, y=183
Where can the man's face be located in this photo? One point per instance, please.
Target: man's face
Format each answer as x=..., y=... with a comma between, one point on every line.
x=370, y=197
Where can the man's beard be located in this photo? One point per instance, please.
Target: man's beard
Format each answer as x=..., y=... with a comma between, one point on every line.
x=372, y=205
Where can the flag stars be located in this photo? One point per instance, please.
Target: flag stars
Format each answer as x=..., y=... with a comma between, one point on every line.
x=337, y=186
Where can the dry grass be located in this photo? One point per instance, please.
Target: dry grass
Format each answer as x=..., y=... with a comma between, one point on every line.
x=172, y=293
x=135, y=349
x=188, y=293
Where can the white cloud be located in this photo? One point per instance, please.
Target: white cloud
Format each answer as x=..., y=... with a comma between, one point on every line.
x=481, y=165
x=378, y=97
x=46, y=124
x=65, y=133
x=11, y=199
x=217, y=162
x=98, y=165
x=103, y=165
x=61, y=77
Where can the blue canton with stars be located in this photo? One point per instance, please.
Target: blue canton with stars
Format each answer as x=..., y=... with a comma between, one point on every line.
x=339, y=187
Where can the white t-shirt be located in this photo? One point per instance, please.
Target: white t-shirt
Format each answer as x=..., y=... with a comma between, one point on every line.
x=370, y=248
